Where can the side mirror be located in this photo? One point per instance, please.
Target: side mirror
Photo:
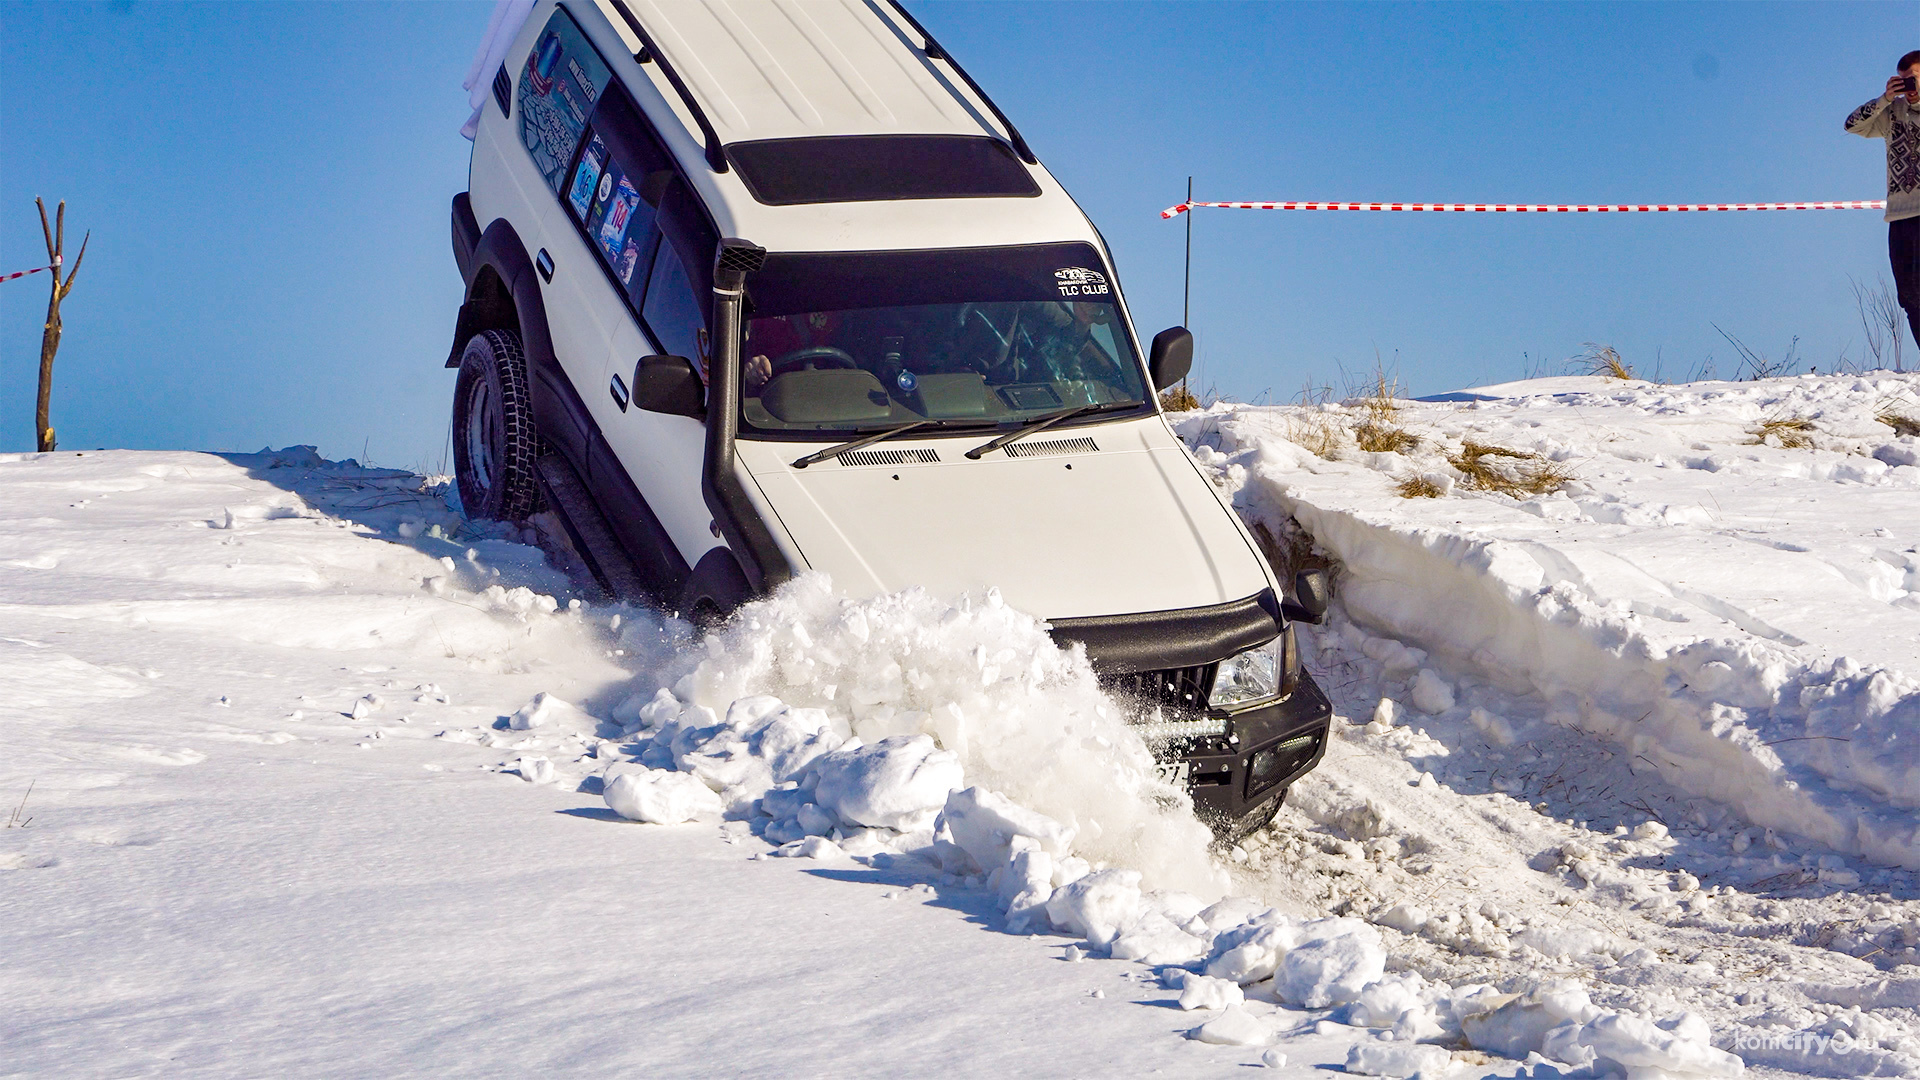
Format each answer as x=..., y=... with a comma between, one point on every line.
x=1171, y=356
x=1312, y=590
x=669, y=384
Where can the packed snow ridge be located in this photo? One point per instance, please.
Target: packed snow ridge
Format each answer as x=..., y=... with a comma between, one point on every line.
x=1741, y=617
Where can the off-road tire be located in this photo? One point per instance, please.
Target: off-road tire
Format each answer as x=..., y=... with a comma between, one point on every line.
x=494, y=440
x=1232, y=832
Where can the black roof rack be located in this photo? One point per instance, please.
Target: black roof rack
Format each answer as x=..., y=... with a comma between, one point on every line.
x=935, y=52
x=650, y=54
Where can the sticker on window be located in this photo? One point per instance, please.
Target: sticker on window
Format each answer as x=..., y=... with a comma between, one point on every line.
x=628, y=259
x=614, y=228
x=585, y=180
x=562, y=79
x=1080, y=281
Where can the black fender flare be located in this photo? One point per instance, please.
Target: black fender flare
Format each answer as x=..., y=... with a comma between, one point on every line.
x=501, y=252
x=718, y=579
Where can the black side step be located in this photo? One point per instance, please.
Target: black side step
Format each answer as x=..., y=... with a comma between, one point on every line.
x=591, y=535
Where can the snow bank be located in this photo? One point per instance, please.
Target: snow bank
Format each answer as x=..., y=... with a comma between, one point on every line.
x=1668, y=600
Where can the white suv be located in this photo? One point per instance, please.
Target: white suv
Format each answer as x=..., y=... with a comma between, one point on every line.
x=755, y=288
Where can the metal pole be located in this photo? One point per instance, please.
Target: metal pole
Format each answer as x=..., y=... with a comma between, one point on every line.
x=1186, y=289
x=1186, y=293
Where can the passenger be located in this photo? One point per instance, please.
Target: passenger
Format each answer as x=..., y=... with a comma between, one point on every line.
x=1072, y=350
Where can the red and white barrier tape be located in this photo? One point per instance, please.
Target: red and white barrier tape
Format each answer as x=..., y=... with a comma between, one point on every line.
x=35, y=270
x=1533, y=208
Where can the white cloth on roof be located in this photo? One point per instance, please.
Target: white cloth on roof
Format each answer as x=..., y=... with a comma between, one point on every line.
x=504, y=25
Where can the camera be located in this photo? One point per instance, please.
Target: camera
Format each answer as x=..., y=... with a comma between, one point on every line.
x=1907, y=85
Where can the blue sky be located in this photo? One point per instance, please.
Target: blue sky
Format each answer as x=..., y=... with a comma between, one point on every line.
x=268, y=187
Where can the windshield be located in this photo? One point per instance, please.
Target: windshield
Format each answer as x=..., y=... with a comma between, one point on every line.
x=858, y=342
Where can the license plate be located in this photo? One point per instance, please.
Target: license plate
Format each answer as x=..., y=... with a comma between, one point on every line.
x=1174, y=772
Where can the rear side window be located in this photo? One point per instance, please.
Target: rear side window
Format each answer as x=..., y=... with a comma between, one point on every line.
x=616, y=185
x=606, y=199
x=563, y=78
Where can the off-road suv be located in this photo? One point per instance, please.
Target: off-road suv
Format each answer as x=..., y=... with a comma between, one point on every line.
x=759, y=288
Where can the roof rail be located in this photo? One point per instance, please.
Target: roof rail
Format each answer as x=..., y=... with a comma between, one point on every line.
x=650, y=53
x=935, y=52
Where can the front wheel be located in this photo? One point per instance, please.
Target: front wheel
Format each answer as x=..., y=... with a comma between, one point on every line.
x=1232, y=832
x=494, y=442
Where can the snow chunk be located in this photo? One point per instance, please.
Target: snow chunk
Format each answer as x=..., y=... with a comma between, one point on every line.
x=1206, y=992
x=899, y=782
x=1097, y=906
x=984, y=824
x=1398, y=1059
x=1904, y=450
x=543, y=707
x=1235, y=1027
x=1617, y=1043
x=661, y=797
x=1432, y=694
x=1518, y=1025
x=1333, y=962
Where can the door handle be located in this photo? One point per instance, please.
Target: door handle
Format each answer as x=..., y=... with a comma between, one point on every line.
x=544, y=264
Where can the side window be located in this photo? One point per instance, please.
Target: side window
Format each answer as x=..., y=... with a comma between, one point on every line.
x=672, y=312
x=562, y=80
x=605, y=198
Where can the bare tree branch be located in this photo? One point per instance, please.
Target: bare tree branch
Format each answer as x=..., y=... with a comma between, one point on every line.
x=75, y=272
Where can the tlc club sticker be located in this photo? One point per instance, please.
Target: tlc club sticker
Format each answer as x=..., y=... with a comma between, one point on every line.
x=1080, y=281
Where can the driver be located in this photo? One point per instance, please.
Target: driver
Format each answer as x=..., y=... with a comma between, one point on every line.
x=782, y=334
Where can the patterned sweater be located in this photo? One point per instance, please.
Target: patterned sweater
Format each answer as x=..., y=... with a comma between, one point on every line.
x=1899, y=124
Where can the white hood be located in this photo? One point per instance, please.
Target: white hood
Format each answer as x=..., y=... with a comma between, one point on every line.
x=1129, y=527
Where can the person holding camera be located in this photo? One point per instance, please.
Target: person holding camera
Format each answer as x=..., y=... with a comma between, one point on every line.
x=1895, y=117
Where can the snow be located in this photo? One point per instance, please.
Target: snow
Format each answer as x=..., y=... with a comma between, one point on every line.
x=1621, y=781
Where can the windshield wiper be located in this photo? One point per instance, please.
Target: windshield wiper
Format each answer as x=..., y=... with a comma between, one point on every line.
x=1045, y=422
x=883, y=433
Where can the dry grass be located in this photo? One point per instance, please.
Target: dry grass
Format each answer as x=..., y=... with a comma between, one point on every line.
x=1792, y=433
x=1507, y=471
x=1384, y=439
x=1603, y=360
x=1380, y=402
x=1317, y=432
x=1178, y=399
x=1418, y=487
x=1901, y=423
x=1379, y=407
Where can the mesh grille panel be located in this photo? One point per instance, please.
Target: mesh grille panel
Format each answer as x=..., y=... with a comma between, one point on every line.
x=889, y=457
x=1081, y=445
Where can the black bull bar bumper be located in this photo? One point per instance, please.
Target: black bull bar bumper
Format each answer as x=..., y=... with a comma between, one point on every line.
x=1239, y=763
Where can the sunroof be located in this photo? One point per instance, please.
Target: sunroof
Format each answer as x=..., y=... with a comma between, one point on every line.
x=880, y=168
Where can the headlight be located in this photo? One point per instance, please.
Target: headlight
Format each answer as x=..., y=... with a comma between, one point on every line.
x=1256, y=675
x=1252, y=676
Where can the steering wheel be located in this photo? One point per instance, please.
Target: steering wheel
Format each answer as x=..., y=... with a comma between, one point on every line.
x=814, y=356
x=965, y=318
